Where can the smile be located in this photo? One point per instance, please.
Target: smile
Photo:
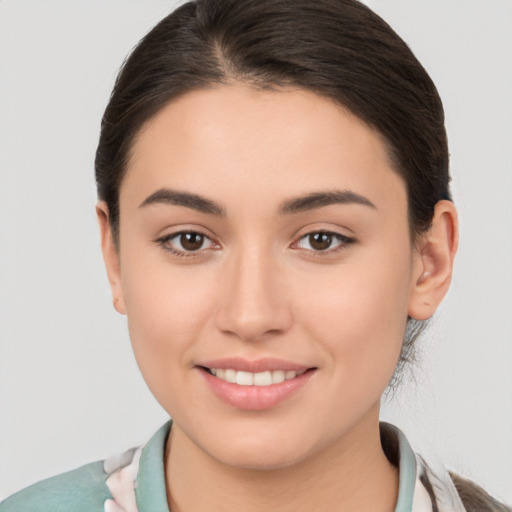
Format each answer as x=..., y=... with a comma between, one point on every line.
x=255, y=385
x=243, y=378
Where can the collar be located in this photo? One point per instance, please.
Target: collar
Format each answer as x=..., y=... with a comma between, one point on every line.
x=400, y=454
x=149, y=492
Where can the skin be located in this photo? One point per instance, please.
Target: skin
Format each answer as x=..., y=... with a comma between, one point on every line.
x=257, y=288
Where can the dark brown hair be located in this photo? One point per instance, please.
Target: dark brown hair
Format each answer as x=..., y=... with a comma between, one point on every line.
x=474, y=498
x=339, y=49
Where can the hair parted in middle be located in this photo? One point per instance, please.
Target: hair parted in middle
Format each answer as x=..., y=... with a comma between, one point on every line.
x=338, y=49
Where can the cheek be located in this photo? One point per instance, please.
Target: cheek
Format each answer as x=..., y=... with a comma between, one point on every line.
x=359, y=317
x=167, y=311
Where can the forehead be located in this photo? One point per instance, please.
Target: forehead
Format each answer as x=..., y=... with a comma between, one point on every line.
x=264, y=142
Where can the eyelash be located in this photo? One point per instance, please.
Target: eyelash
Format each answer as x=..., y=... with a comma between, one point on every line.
x=343, y=242
x=164, y=242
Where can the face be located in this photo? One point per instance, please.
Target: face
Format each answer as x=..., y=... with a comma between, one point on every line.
x=264, y=240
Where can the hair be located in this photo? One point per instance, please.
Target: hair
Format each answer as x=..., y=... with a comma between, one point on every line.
x=474, y=498
x=338, y=49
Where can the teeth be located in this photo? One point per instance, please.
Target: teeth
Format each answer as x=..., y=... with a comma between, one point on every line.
x=280, y=376
x=245, y=378
x=263, y=379
x=254, y=379
x=230, y=376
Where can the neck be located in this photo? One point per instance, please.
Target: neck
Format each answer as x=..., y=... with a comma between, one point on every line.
x=351, y=475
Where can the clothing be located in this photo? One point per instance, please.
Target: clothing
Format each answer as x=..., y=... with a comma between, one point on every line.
x=135, y=482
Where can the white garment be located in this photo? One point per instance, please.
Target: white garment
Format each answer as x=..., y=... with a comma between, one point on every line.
x=446, y=496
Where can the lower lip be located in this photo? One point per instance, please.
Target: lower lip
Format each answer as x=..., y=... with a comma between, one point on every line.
x=255, y=398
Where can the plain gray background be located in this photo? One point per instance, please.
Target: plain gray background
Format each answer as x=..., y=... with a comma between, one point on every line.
x=70, y=391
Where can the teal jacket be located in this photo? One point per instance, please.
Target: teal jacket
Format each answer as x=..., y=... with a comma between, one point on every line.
x=135, y=482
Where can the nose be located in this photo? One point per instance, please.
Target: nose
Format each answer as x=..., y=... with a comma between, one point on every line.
x=254, y=302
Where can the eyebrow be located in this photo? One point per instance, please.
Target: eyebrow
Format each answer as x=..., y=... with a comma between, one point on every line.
x=296, y=205
x=194, y=201
x=320, y=199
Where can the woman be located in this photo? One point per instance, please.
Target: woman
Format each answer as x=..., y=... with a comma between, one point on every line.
x=253, y=155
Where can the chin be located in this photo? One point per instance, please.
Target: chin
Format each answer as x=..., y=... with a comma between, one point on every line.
x=258, y=460
x=264, y=450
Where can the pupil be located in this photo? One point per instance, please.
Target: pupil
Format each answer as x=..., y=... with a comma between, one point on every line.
x=191, y=241
x=320, y=241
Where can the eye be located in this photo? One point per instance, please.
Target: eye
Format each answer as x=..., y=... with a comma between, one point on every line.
x=323, y=241
x=185, y=243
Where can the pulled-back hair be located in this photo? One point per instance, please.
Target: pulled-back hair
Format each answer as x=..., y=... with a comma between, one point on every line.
x=339, y=49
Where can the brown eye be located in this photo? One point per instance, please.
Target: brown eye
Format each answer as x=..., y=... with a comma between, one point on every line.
x=185, y=243
x=324, y=242
x=191, y=241
x=320, y=241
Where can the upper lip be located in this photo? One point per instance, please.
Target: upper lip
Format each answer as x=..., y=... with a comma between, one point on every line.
x=256, y=366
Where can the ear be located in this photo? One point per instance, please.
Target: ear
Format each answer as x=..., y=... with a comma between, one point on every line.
x=110, y=257
x=433, y=262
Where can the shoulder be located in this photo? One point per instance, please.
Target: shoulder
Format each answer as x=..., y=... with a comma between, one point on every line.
x=476, y=499
x=81, y=490
x=450, y=491
x=117, y=483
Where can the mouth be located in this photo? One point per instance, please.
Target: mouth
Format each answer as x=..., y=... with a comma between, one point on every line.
x=255, y=385
x=246, y=378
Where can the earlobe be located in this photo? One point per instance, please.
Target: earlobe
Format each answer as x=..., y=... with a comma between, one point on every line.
x=110, y=257
x=433, y=262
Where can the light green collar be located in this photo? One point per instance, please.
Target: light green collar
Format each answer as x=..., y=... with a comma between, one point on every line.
x=399, y=452
x=151, y=494
x=150, y=490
